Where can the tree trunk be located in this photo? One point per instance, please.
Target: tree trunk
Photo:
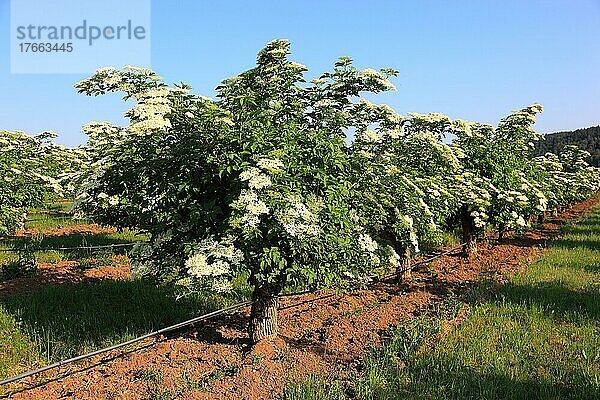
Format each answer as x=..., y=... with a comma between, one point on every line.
x=263, y=314
x=555, y=212
x=542, y=218
x=468, y=233
x=404, y=271
x=501, y=232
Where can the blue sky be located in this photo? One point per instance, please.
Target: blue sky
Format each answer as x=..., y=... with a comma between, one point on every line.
x=475, y=60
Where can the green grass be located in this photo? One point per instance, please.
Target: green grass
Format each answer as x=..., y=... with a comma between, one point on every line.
x=536, y=337
x=440, y=240
x=69, y=241
x=17, y=352
x=52, y=214
x=55, y=204
x=50, y=221
x=314, y=388
x=76, y=240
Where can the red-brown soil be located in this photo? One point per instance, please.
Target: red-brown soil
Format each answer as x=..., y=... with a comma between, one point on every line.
x=325, y=333
x=65, y=272
x=91, y=229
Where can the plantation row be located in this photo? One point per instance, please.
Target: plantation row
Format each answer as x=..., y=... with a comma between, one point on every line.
x=31, y=168
x=262, y=182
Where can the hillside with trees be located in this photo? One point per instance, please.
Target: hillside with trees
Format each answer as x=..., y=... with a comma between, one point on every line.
x=587, y=139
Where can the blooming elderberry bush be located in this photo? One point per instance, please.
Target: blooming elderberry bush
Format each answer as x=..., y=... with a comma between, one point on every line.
x=404, y=171
x=567, y=177
x=257, y=181
x=503, y=157
x=31, y=167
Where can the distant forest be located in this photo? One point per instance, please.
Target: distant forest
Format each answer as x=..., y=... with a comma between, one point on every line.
x=586, y=139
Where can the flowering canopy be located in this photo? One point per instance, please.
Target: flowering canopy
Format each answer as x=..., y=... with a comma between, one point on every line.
x=255, y=181
x=31, y=167
x=503, y=156
x=567, y=177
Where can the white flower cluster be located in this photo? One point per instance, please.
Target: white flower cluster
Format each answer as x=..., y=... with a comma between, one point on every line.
x=95, y=129
x=222, y=285
x=139, y=70
x=376, y=76
x=51, y=182
x=393, y=258
x=297, y=66
x=151, y=123
x=478, y=221
x=408, y=223
x=270, y=163
x=430, y=118
x=324, y=103
x=298, y=220
x=110, y=79
x=513, y=196
x=107, y=200
x=367, y=244
x=518, y=220
x=152, y=202
x=215, y=259
x=425, y=207
x=370, y=136
x=537, y=198
x=252, y=206
x=256, y=179
x=249, y=201
x=475, y=194
x=151, y=112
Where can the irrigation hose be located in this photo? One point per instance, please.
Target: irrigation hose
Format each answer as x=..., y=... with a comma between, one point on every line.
x=106, y=246
x=413, y=266
x=120, y=345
